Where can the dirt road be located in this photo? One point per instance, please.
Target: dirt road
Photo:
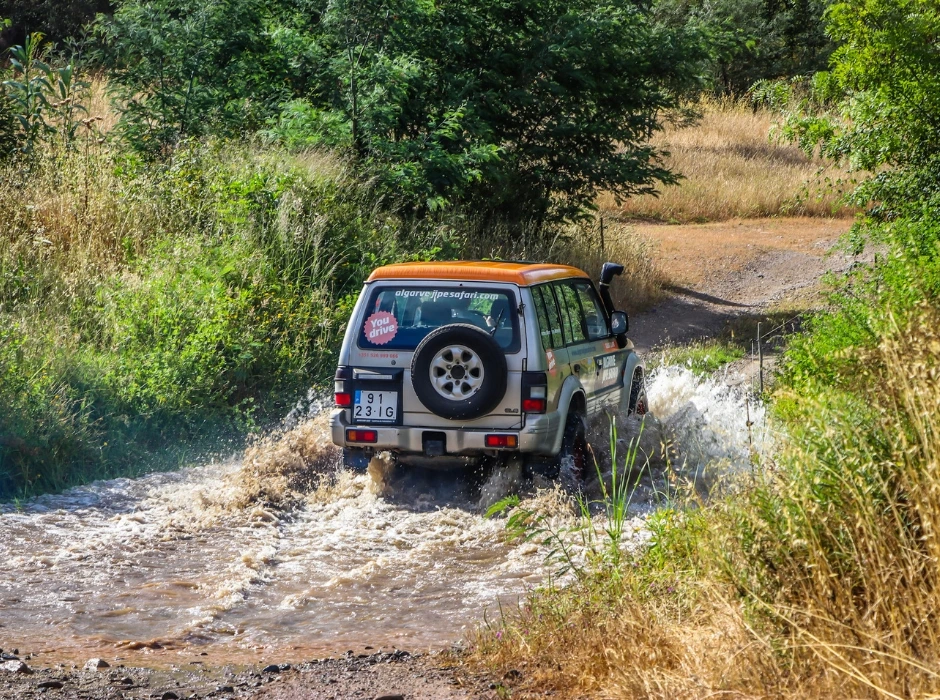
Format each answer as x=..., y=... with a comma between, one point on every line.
x=721, y=271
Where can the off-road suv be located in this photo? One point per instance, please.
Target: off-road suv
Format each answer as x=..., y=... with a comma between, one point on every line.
x=452, y=364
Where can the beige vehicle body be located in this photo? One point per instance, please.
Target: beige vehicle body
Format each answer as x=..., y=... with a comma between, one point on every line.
x=399, y=392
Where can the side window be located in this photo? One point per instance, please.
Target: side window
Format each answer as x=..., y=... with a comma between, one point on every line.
x=595, y=321
x=549, y=322
x=545, y=330
x=570, y=313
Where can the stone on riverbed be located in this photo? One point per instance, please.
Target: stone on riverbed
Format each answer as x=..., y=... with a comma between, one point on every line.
x=96, y=664
x=15, y=667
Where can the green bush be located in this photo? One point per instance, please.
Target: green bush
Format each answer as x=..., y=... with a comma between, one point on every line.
x=191, y=296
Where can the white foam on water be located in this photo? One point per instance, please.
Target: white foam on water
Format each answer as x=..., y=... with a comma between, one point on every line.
x=716, y=429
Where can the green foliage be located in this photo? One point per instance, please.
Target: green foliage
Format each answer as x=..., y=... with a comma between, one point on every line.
x=703, y=358
x=755, y=39
x=300, y=126
x=45, y=102
x=8, y=126
x=904, y=277
x=220, y=293
x=183, y=68
x=512, y=107
x=44, y=421
x=525, y=110
x=878, y=108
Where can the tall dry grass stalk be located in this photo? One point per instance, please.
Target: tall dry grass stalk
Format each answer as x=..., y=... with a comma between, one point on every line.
x=731, y=169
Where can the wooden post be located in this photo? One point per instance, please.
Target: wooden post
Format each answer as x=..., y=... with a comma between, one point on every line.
x=760, y=360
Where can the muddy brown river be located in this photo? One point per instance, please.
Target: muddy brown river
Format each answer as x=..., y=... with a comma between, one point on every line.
x=181, y=563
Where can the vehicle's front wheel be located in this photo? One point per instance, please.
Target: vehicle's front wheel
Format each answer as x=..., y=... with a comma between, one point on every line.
x=639, y=405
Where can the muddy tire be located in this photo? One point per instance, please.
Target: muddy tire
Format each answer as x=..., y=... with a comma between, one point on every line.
x=639, y=404
x=459, y=372
x=574, y=457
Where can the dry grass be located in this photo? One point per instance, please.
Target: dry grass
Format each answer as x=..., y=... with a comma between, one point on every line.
x=640, y=286
x=820, y=581
x=584, y=646
x=732, y=169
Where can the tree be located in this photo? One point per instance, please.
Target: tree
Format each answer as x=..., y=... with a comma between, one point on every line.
x=751, y=40
x=879, y=106
x=183, y=68
x=519, y=108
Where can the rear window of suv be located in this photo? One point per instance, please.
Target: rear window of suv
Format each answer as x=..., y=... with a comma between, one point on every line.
x=400, y=317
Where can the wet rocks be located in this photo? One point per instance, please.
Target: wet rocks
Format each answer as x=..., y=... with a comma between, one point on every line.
x=96, y=664
x=15, y=667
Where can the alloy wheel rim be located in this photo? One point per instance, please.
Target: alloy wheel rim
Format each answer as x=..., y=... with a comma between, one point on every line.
x=456, y=372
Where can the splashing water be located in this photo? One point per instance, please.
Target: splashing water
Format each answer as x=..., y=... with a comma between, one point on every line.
x=715, y=429
x=280, y=550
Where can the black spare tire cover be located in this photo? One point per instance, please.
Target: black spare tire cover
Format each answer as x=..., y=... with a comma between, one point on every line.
x=461, y=385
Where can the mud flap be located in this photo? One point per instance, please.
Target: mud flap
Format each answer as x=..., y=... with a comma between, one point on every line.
x=357, y=459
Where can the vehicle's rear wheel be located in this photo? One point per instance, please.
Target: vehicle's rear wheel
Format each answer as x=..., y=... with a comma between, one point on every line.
x=459, y=372
x=574, y=456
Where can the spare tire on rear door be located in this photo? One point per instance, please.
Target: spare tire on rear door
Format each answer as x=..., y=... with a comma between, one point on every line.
x=459, y=372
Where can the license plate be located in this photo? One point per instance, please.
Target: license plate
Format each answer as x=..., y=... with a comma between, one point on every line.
x=376, y=406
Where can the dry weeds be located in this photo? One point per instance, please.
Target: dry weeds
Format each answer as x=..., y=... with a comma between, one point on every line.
x=821, y=581
x=731, y=168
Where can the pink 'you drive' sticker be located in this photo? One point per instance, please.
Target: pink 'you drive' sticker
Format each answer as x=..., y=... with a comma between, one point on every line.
x=380, y=327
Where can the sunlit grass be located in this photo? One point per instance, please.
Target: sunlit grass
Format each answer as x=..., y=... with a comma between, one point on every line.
x=731, y=168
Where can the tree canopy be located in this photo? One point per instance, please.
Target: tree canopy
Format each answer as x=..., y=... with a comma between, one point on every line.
x=526, y=108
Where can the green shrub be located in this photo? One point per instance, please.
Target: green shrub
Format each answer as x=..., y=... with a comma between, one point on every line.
x=170, y=301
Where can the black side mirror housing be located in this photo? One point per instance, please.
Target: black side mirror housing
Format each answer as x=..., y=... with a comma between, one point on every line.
x=619, y=323
x=609, y=271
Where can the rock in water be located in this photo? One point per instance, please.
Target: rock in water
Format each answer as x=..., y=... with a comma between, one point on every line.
x=15, y=667
x=96, y=664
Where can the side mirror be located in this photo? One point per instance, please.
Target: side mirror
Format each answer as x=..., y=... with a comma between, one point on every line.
x=619, y=324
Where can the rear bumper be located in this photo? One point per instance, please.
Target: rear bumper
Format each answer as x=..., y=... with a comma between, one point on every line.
x=537, y=437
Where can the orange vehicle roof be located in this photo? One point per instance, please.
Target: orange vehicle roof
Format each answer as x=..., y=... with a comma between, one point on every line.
x=523, y=274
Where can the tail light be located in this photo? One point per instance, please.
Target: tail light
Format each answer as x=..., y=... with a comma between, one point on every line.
x=342, y=389
x=501, y=441
x=360, y=435
x=534, y=392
